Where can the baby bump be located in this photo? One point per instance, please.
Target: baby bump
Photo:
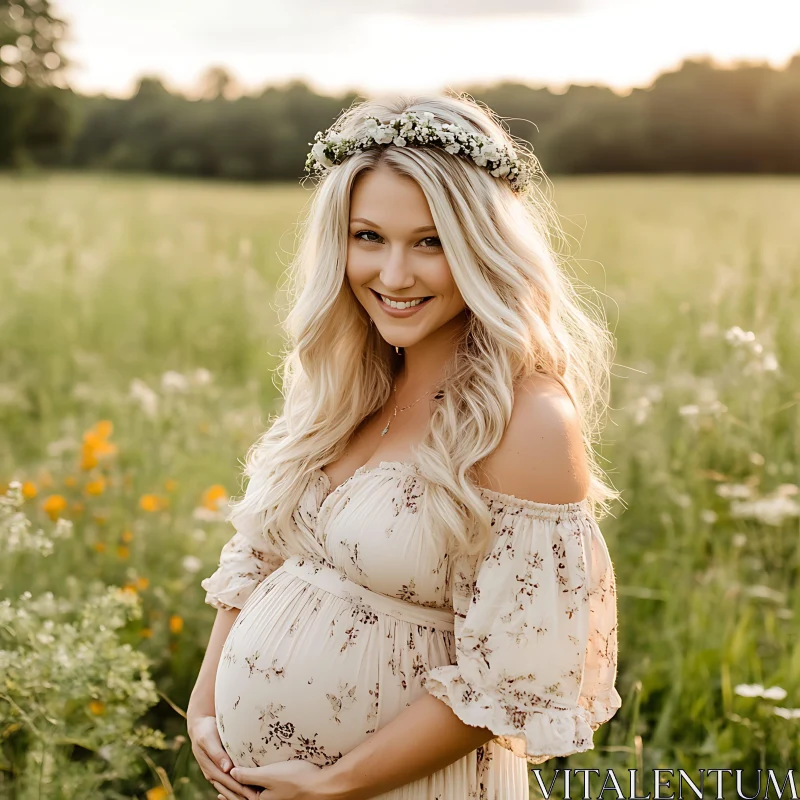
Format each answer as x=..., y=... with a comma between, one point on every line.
x=307, y=674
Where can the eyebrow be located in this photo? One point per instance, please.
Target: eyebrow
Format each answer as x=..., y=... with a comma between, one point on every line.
x=375, y=225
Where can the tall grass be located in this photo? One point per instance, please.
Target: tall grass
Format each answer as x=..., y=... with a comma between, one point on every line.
x=150, y=304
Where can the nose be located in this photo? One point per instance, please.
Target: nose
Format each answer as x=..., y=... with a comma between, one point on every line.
x=396, y=273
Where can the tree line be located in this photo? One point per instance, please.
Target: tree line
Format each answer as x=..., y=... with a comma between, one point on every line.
x=697, y=118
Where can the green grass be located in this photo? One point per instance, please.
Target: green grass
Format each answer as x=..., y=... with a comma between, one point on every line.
x=107, y=279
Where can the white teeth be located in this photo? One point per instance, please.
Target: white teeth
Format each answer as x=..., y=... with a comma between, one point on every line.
x=395, y=304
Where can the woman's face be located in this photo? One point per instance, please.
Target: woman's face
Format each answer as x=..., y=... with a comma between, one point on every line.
x=393, y=251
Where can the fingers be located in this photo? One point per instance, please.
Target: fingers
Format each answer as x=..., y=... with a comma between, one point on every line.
x=224, y=793
x=223, y=782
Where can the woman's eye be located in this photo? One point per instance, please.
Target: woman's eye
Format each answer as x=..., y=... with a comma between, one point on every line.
x=434, y=239
x=358, y=236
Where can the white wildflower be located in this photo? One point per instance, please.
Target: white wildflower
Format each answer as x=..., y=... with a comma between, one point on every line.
x=192, y=564
x=786, y=713
x=709, y=516
x=146, y=398
x=774, y=693
x=730, y=491
x=749, y=689
x=172, y=381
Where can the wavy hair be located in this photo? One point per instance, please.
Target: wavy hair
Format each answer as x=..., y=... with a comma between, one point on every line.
x=524, y=315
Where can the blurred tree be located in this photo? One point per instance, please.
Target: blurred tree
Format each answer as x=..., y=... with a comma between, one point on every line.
x=34, y=109
x=216, y=83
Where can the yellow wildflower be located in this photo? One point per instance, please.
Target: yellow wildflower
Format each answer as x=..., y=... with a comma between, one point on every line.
x=170, y=484
x=123, y=552
x=97, y=707
x=70, y=481
x=129, y=588
x=175, y=624
x=99, y=547
x=213, y=496
x=146, y=633
x=142, y=583
x=97, y=486
x=152, y=502
x=54, y=505
x=28, y=490
x=127, y=536
x=157, y=793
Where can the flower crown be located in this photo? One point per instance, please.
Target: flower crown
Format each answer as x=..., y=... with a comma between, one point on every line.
x=332, y=148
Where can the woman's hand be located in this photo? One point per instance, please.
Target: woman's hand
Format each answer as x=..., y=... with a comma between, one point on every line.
x=287, y=780
x=213, y=760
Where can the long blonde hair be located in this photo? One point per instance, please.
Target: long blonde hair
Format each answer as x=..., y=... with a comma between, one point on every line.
x=524, y=316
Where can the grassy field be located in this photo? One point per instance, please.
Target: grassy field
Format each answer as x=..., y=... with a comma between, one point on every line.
x=139, y=337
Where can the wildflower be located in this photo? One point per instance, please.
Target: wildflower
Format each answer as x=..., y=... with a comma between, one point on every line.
x=96, y=487
x=708, y=516
x=175, y=624
x=739, y=491
x=129, y=588
x=201, y=377
x=142, y=583
x=157, y=793
x=170, y=485
x=214, y=496
x=54, y=505
x=142, y=394
x=127, y=536
x=192, y=564
x=152, y=502
x=146, y=633
x=172, y=381
x=70, y=481
x=786, y=713
x=28, y=490
x=97, y=707
x=99, y=547
x=757, y=690
x=123, y=552
x=767, y=510
x=749, y=689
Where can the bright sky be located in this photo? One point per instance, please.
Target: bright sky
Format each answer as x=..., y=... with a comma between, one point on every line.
x=415, y=45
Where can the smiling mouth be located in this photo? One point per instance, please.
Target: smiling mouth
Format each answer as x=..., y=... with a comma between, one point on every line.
x=406, y=302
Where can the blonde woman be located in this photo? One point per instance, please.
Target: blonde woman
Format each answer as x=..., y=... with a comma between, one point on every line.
x=417, y=601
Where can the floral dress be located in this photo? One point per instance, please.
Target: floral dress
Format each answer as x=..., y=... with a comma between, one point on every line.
x=335, y=640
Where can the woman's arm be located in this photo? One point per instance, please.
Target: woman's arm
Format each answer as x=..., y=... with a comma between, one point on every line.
x=422, y=739
x=201, y=700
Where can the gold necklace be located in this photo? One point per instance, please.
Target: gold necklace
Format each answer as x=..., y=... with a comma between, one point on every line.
x=404, y=408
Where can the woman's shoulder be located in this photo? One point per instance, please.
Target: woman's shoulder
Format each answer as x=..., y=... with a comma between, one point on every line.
x=541, y=456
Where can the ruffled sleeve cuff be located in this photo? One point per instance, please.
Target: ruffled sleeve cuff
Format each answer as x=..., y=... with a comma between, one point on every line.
x=226, y=591
x=534, y=733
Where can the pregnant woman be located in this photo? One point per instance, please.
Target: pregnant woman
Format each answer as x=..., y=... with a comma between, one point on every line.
x=417, y=601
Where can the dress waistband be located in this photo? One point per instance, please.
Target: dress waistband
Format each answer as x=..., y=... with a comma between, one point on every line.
x=327, y=577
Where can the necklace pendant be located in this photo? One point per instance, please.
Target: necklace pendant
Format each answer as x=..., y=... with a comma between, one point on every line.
x=383, y=432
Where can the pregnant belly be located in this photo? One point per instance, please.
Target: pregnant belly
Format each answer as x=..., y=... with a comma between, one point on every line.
x=306, y=674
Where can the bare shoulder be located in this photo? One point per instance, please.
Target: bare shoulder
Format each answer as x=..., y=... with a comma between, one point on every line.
x=541, y=456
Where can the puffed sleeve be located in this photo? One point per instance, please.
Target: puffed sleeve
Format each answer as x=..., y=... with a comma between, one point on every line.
x=245, y=560
x=536, y=631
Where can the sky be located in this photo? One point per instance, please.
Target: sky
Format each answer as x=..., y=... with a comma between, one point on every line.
x=415, y=45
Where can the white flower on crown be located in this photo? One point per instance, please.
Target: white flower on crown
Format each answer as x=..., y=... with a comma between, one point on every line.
x=318, y=151
x=384, y=135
